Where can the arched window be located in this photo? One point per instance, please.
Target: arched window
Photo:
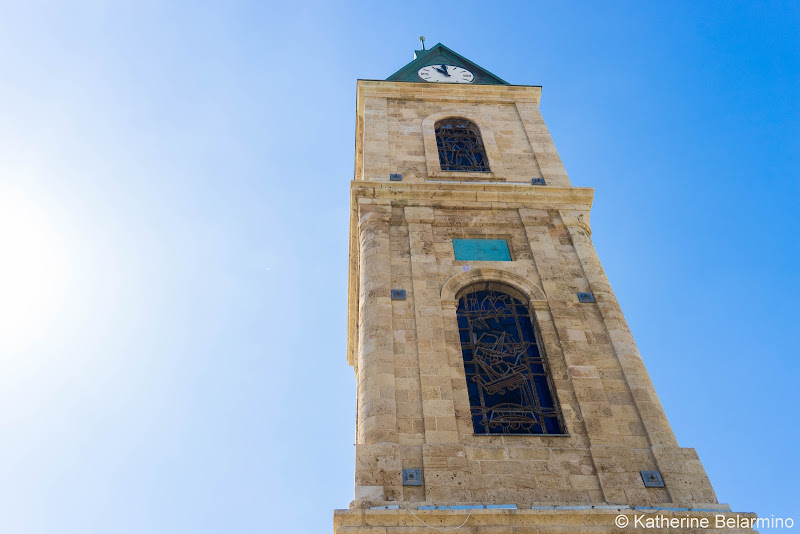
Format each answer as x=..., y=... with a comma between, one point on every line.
x=508, y=381
x=460, y=146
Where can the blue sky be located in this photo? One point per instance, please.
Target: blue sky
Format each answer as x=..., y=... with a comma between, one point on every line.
x=172, y=175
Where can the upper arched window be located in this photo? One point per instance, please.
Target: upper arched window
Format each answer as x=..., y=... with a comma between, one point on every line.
x=460, y=146
x=508, y=380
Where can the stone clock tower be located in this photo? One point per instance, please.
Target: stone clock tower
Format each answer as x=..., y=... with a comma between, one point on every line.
x=499, y=387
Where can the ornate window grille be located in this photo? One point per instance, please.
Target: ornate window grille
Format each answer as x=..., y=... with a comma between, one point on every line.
x=508, y=382
x=460, y=146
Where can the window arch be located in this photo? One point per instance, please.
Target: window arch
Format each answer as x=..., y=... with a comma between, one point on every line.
x=508, y=382
x=460, y=146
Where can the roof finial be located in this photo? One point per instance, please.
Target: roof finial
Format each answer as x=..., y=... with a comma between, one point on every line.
x=422, y=40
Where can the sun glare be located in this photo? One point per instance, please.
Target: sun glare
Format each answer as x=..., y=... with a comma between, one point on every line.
x=33, y=268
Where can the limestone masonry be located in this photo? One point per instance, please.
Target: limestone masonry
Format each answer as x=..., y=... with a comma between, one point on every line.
x=414, y=408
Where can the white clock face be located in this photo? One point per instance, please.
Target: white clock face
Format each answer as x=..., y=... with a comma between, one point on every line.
x=445, y=74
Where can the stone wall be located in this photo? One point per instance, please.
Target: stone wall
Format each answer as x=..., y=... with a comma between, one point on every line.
x=413, y=406
x=395, y=132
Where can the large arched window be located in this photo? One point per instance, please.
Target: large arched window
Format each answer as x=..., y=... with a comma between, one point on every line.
x=508, y=381
x=460, y=146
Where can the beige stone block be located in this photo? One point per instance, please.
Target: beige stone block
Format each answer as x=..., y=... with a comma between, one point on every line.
x=528, y=453
x=369, y=493
x=483, y=453
x=439, y=436
x=584, y=482
x=446, y=423
x=502, y=467
x=437, y=407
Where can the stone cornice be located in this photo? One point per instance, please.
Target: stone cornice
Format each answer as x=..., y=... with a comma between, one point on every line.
x=447, y=92
x=433, y=193
x=545, y=518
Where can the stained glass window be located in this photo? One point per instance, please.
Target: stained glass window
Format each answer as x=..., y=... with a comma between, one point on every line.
x=460, y=146
x=507, y=377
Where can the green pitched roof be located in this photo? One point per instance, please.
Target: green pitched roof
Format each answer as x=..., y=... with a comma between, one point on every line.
x=439, y=55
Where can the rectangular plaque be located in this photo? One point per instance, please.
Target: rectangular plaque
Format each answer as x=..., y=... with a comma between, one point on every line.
x=652, y=479
x=481, y=250
x=412, y=476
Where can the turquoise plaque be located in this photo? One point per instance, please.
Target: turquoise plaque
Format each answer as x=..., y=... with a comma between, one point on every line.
x=481, y=250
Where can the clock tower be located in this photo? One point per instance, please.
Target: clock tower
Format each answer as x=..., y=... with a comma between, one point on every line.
x=499, y=387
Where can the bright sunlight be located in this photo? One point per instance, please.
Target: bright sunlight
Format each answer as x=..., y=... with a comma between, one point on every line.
x=33, y=268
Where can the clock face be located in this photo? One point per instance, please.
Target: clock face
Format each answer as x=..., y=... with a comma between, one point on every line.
x=445, y=74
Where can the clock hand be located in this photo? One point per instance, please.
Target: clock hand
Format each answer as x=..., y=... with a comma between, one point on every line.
x=444, y=70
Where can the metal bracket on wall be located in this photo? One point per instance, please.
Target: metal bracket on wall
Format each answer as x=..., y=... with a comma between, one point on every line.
x=652, y=479
x=398, y=294
x=585, y=297
x=412, y=476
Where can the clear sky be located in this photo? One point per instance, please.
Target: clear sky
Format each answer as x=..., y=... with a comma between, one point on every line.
x=172, y=175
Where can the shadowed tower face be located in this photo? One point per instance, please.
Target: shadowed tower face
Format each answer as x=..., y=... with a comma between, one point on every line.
x=495, y=370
